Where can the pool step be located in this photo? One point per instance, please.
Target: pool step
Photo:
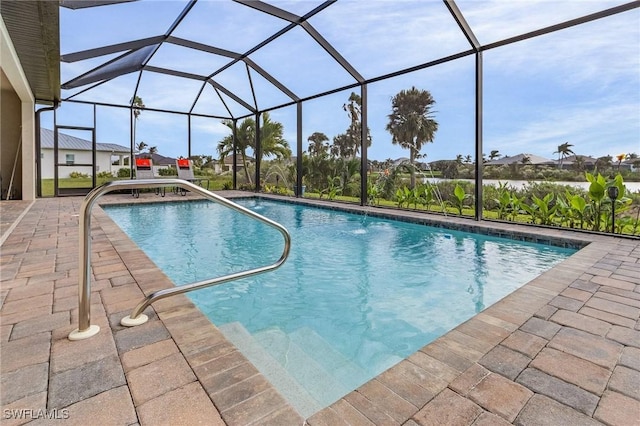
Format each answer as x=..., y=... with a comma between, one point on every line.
x=348, y=373
x=278, y=376
x=303, y=366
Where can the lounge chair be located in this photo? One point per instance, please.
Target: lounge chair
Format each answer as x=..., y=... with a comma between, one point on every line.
x=185, y=172
x=144, y=170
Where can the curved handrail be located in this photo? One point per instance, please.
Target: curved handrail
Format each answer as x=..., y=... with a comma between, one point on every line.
x=85, y=329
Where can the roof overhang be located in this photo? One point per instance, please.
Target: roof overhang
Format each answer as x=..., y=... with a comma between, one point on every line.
x=33, y=27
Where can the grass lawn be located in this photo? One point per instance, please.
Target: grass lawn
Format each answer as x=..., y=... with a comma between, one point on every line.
x=216, y=183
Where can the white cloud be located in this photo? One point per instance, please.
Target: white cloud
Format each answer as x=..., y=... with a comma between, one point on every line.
x=594, y=129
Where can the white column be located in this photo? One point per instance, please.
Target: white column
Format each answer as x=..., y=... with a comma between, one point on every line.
x=28, y=151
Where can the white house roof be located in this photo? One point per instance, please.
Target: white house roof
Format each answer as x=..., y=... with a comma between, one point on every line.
x=77, y=144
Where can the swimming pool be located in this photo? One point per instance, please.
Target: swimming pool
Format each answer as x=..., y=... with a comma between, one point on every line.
x=357, y=295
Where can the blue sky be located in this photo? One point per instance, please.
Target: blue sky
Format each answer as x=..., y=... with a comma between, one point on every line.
x=580, y=85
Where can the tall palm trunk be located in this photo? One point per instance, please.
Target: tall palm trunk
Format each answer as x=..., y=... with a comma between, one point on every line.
x=412, y=159
x=246, y=168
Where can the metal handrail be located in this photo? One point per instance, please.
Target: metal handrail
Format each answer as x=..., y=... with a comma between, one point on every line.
x=85, y=329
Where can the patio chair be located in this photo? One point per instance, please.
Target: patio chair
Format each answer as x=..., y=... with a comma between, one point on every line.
x=144, y=170
x=185, y=172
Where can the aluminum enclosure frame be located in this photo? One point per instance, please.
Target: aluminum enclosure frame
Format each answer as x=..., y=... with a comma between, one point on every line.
x=476, y=49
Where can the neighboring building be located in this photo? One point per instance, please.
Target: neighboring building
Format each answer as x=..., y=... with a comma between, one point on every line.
x=569, y=163
x=29, y=76
x=632, y=164
x=227, y=164
x=73, y=152
x=159, y=162
x=533, y=159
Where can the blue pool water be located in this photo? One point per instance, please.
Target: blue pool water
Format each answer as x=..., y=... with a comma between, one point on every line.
x=357, y=294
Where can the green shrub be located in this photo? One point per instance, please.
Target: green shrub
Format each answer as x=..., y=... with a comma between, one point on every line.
x=168, y=171
x=124, y=173
x=105, y=174
x=78, y=175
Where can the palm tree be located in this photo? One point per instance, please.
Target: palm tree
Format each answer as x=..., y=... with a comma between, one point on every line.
x=494, y=155
x=342, y=147
x=136, y=107
x=272, y=139
x=564, y=150
x=411, y=122
x=153, y=150
x=245, y=134
x=352, y=139
x=317, y=144
x=141, y=146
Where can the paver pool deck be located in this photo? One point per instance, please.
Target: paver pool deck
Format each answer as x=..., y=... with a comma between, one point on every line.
x=562, y=350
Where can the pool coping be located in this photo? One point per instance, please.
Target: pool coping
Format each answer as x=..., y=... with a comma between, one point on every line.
x=407, y=392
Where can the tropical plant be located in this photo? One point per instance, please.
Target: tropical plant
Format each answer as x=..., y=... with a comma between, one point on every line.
x=621, y=203
x=411, y=122
x=541, y=209
x=333, y=189
x=578, y=206
x=349, y=171
x=373, y=194
x=460, y=196
x=136, y=108
x=563, y=151
x=272, y=141
x=427, y=196
x=597, y=191
x=245, y=136
x=503, y=200
x=516, y=206
x=404, y=196
x=494, y=155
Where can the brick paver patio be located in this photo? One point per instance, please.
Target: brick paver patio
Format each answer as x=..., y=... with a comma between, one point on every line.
x=562, y=350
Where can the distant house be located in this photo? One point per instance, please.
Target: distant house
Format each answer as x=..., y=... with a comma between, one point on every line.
x=73, y=152
x=227, y=164
x=587, y=163
x=406, y=161
x=632, y=164
x=159, y=161
x=533, y=159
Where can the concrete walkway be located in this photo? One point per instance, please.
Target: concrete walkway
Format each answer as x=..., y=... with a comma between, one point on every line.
x=563, y=349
